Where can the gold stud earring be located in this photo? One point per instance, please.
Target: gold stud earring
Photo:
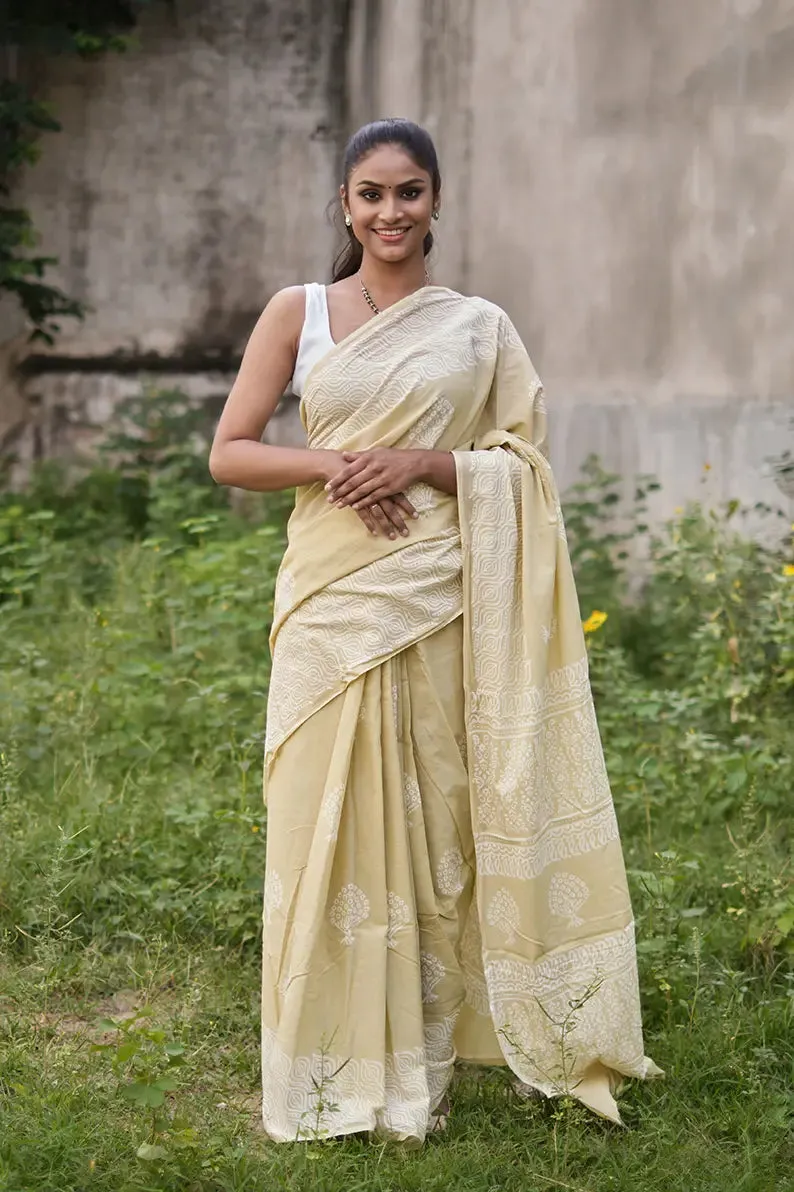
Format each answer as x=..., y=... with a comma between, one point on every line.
x=436, y=214
x=348, y=221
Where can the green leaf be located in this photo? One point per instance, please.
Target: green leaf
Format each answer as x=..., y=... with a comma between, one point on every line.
x=166, y=1083
x=127, y=1050
x=785, y=923
x=652, y=946
x=150, y=1151
x=143, y=1093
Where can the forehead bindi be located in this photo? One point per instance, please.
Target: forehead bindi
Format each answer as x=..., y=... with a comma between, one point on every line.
x=388, y=168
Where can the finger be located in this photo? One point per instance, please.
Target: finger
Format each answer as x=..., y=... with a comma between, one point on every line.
x=392, y=511
x=347, y=488
x=373, y=498
x=383, y=522
x=364, y=487
x=341, y=482
x=381, y=493
x=345, y=473
x=404, y=504
x=368, y=520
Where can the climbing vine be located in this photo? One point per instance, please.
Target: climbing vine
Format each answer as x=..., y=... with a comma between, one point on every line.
x=87, y=28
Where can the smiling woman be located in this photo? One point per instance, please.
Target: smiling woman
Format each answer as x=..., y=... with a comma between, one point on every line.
x=444, y=876
x=393, y=204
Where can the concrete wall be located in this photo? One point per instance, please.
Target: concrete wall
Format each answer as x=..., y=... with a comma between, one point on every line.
x=619, y=176
x=188, y=185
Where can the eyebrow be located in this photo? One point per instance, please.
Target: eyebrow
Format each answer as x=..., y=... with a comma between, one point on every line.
x=381, y=185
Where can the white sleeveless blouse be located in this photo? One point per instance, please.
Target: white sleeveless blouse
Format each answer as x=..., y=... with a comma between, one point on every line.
x=315, y=338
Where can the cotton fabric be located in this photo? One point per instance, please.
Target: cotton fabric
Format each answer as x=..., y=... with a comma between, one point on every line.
x=444, y=876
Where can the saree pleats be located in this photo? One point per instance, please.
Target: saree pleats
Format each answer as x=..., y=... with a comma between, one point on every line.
x=444, y=875
x=370, y=873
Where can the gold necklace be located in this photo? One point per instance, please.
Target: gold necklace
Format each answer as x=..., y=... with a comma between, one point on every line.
x=370, y=300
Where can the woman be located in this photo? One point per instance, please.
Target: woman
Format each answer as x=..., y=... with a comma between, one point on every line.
x=444, y=875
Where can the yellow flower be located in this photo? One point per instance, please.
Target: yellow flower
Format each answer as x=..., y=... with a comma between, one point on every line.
x=788, y=569
x=594, y=621
x=254, y=827
x=707, y=467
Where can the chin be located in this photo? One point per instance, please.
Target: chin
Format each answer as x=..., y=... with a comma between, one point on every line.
x=393, y=252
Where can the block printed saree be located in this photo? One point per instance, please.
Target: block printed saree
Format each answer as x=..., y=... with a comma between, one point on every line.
x=444, y=876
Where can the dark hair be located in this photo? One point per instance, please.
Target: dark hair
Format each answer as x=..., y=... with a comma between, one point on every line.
x=410, y=137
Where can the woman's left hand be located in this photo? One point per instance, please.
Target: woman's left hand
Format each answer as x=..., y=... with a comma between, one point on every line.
x=369, y=476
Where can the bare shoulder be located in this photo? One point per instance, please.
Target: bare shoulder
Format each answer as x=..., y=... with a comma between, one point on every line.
x=281, y=320
x=287, y=307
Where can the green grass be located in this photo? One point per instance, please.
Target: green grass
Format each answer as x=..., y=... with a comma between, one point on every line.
x=718, y=1120
x=132, y=857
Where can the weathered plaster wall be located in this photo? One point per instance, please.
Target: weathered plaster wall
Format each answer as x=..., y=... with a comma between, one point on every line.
x=188, y=184
x=619, y=176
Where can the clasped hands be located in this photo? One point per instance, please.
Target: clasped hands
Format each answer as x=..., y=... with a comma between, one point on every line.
x=373, y=483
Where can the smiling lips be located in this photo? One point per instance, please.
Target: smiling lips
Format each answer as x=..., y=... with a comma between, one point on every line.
x=390, y=233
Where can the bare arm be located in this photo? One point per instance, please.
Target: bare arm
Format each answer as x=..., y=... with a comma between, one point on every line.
x=238, y=457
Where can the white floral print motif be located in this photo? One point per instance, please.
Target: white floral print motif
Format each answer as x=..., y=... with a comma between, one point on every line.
x=273, y=896
x=331, y=811
x=549, y=631
x=567, y=893
x=399, y=917
x=422, y=497
x=412, y=797
x=503, y=913
x=433, y=973
x=350, y=907
x=449, y=879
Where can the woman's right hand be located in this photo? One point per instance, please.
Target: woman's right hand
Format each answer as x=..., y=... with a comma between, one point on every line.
x=388, y=517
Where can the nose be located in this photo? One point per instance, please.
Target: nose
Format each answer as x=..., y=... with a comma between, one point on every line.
x=392, y=209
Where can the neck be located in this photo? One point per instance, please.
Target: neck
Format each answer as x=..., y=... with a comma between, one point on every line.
x=392, y=281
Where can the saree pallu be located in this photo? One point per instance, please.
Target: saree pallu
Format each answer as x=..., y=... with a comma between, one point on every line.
x=444, y=876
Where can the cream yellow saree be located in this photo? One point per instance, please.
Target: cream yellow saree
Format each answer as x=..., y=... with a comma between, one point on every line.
x=444, y=876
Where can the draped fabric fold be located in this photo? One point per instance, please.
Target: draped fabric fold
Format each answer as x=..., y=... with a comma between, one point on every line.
x=556, y=923
x=444, y=874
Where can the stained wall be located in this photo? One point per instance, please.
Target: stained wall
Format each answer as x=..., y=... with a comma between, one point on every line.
x=618, y=176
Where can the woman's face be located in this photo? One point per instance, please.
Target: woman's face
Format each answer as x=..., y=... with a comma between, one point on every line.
x=390, y=201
